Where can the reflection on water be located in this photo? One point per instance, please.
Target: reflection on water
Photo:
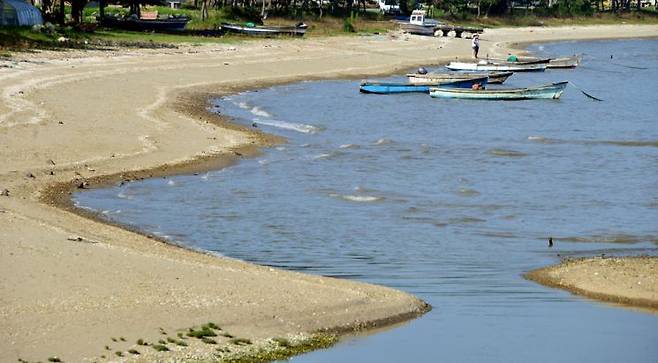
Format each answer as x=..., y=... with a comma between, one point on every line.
x=446, y=199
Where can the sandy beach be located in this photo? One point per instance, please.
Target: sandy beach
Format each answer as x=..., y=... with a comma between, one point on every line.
x=79, y=289
x=631, y=281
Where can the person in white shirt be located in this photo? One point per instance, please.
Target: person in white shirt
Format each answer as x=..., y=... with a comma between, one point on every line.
x=475, y=44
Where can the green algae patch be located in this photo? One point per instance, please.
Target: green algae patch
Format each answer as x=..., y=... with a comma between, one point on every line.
x=277, y=351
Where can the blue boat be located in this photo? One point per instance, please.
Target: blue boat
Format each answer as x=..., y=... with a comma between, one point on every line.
x=387, y=88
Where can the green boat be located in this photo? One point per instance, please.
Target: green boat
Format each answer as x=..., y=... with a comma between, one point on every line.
x=548, y=91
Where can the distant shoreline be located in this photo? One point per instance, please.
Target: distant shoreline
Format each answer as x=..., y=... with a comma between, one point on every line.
x=152, y=111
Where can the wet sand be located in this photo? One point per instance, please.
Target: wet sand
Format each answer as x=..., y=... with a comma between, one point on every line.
x=73, y=285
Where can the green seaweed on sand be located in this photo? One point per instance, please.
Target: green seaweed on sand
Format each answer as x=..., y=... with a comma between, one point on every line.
x=160, y=348
x=278, y=352
x=201, y=333
x=208, y=340
x=282, y=342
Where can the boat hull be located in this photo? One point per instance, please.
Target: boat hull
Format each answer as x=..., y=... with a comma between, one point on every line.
x=565, y=62
x=266, y=31
x=419, y=29
x=549, y=91
x=490, y=67
x=434, y=78
x=390, y=88
x=156, y=25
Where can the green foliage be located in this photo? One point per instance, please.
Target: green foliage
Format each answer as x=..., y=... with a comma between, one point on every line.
x=349, y=24
x=134, y=351
x=201, y=333
x=160, y=348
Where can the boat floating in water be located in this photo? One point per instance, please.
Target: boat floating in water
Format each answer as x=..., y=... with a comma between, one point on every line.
x=390, y=87
x=434, y=78
x=265, y=31
x=484, y=65
x=560, y=62
x=549, y=91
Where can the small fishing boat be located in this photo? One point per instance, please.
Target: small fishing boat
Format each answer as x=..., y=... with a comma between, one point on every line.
x=549, y=91
x=434, y=78
x=489, y=66
x=561, y=62
x=169, y=24
x=390, y=87
x=565, y=62
x=265, y=31
x=419, y=25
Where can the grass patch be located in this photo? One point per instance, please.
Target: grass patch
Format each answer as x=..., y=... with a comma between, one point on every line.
x=160, y=348
x=119, y=353
x=318, y=341
x=141, y=342
x=162, y=341
x=54, y=359
x=201, y=333
x=211, y=325
x=134, y=352
x=122, y=339
x=227, y=335
x=282, y=342
x=181, y=343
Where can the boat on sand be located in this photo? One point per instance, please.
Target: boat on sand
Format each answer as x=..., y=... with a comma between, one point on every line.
x=548, y=91
x=265, y=31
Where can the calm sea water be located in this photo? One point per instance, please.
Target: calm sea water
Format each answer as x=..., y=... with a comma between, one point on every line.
x=449, y=200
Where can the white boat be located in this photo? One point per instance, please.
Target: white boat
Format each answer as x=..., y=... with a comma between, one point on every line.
x=485, y=66
x=420, y=25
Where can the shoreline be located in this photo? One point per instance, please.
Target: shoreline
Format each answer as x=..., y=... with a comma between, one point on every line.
x=59, y=195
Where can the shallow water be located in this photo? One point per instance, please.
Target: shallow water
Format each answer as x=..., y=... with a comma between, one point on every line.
x=449, y=200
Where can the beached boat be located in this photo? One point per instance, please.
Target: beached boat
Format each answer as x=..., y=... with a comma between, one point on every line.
x=551, y=91
x=265, y=31
x=390, y=87
x=419, y=25
x=434, y=78
x=489, y=66
x=171, y=24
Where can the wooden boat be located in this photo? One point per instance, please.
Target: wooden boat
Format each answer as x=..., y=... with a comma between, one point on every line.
x=565, y=62
x=561, y=62
x=433, y=78
x=488, y=66
x=550, y=91
x=265, y=31
x=389, y=87
x=173, y=24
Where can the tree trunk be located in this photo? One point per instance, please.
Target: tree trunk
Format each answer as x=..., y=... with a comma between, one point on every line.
x=61, y=12
x=204, y=10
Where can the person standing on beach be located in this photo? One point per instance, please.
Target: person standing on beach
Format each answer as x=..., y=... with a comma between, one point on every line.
x=475, y=44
